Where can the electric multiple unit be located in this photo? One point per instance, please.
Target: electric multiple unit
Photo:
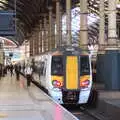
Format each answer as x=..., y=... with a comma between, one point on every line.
x=65, y=73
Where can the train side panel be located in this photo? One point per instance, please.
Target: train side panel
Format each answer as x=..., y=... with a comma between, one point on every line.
x=48, y=73
x=54, y=92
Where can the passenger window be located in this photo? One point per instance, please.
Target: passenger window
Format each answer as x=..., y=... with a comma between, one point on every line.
x=57, y=65
x=84, y=65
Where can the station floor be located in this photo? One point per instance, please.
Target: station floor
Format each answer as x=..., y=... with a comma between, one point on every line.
x=17, y=102
x=108, y=106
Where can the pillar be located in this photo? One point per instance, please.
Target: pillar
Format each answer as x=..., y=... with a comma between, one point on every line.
x=50, y=29
x=37, y=40
x=60, y=32
x=57, y=23
x=83, y=24
x=25, y=42
x=45, y=32
x=47, y=36
x=112, y=22
x=68, y=21
x=102, y=25
x=43, y=44
x=34, y=40
x=53, y=33
x=31, y=47
x=40, y=37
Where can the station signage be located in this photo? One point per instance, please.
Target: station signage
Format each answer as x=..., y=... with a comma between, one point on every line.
x=7, y=23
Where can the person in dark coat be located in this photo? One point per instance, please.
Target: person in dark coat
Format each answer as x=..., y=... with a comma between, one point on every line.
x=11, y=70
x=17, y=72
x=5, y=70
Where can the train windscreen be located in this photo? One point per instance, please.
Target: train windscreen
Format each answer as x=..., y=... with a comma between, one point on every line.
x=84, y=65
x=57, y=65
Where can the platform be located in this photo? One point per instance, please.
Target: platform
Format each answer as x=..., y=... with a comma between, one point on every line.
x=17, y=102
x=108, y=107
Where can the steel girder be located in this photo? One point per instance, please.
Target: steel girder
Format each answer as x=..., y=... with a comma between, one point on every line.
x=29, y=12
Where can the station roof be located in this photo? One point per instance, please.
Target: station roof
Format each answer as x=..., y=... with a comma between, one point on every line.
x=29, y=12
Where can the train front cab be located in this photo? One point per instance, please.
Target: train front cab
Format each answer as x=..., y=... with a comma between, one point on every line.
x=71, y=79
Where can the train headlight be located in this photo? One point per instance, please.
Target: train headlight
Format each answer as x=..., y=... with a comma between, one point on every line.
x=56, y=83
x=84, y=84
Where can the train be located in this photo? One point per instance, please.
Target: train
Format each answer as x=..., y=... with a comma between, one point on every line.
x=66, y=74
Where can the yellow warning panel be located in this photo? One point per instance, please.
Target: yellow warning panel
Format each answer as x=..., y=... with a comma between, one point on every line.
x=72, y=72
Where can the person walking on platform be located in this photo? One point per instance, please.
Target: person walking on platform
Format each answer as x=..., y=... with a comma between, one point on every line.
x=17, y=71
x=28, y=73
x=11, y=70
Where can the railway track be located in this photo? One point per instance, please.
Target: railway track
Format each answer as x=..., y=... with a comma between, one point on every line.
x=84, y=113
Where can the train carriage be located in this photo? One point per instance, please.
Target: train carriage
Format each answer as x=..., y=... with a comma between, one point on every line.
x=66, y=74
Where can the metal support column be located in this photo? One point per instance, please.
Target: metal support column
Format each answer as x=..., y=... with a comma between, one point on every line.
x=40, y=37
x=1, y=53
x=25, y=48
x=83, y=24
x=102, y=26
x=37, y=40
x=47, y=36
x=53, y=32
x=58, y=22
x=50, y=29
x=15, y=10
x=112, y=23
x=68, y=22
x=60, y=32
x=31, y=46
x=34, y=38
x=45, y=33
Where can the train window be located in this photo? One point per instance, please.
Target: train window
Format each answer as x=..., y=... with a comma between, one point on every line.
x=84, y=65
x=57, y=65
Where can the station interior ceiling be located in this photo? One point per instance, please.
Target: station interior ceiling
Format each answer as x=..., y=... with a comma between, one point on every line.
x=30, y=12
